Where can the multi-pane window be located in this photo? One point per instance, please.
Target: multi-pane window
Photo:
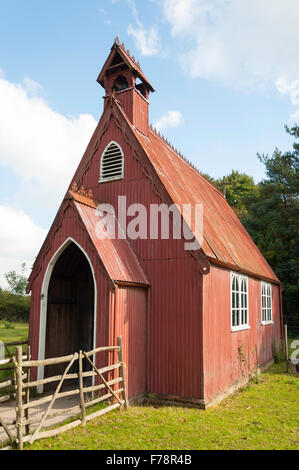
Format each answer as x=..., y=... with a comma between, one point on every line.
x=112, y=163
x=266, y=302
x=239, y=301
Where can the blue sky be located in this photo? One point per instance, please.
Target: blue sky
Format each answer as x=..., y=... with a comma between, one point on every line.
x=226, y=75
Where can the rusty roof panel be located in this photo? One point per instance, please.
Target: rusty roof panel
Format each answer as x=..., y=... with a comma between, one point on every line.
x=224, y=237
x=117, y=255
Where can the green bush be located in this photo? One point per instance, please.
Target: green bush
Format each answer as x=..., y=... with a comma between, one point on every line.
x=14, y=308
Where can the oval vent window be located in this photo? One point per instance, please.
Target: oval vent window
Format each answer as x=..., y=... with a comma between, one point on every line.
x=112, y=163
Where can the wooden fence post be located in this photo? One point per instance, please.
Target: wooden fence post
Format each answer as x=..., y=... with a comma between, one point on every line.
x=81, y=385
x=286, y=346
x=102, y=378
x=19, y=397
x=27, y=397
x=121, y=371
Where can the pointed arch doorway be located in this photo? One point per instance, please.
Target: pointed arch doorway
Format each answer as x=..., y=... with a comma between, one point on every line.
x=68, y=309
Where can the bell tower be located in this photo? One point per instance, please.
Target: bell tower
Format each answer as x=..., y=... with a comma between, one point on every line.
x=123, y=76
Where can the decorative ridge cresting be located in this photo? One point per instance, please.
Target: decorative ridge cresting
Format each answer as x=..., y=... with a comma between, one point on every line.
x=174, y=149
x=127, y=51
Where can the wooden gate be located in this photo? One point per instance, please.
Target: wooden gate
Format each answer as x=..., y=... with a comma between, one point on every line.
x=30, y=428
x=7, y=386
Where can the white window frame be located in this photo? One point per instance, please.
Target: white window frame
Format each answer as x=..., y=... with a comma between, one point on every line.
x=242, y=300
x=266, y=304
x=112, y=178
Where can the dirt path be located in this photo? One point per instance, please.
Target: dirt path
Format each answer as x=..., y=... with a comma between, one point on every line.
x=7, y=412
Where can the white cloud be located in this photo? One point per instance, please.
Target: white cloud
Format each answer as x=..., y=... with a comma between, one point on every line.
x=41, y=146
x=20, y=241
x=285, y=87
x=171, y=119
x=290, y=88
x=240, y=43
x=32, y=87
x=146, y=39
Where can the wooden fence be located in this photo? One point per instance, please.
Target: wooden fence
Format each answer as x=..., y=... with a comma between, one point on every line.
x=7, y=369
x=6, y=346
x=30, y=428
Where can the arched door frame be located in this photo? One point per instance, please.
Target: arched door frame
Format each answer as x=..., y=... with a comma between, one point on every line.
x=44, y=304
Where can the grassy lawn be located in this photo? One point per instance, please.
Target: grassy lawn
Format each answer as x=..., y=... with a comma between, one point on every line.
x=19, y=332
x=16, y=332
x=263, y=415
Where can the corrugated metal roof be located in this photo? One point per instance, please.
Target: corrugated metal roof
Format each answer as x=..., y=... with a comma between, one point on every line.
x=117, y=255
x=225, y=240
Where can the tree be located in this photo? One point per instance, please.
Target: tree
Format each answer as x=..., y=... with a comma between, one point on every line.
x=17, y=282
x=239, y=190
x=273, y=219
x=270, y=213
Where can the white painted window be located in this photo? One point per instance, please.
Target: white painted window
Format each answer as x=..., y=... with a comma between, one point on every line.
x=112, y=163
x=266, y=303
x=239, y=302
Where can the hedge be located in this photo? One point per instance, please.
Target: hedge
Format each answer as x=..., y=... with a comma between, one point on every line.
x=14, y=307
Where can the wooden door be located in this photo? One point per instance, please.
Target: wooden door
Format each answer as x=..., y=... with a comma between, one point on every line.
x=70, y=310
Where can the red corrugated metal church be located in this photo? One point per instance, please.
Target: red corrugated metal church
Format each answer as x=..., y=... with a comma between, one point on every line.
x=195, y=323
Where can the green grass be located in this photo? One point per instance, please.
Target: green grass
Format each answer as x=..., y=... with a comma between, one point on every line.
x=18, y=333
x=263, y=415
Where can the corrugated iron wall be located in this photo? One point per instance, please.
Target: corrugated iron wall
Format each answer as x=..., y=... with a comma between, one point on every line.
x=175, y=328
x=140, y=111
x=135, y=107
x=130, y=322
x=230, y=355
x=174, y=312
